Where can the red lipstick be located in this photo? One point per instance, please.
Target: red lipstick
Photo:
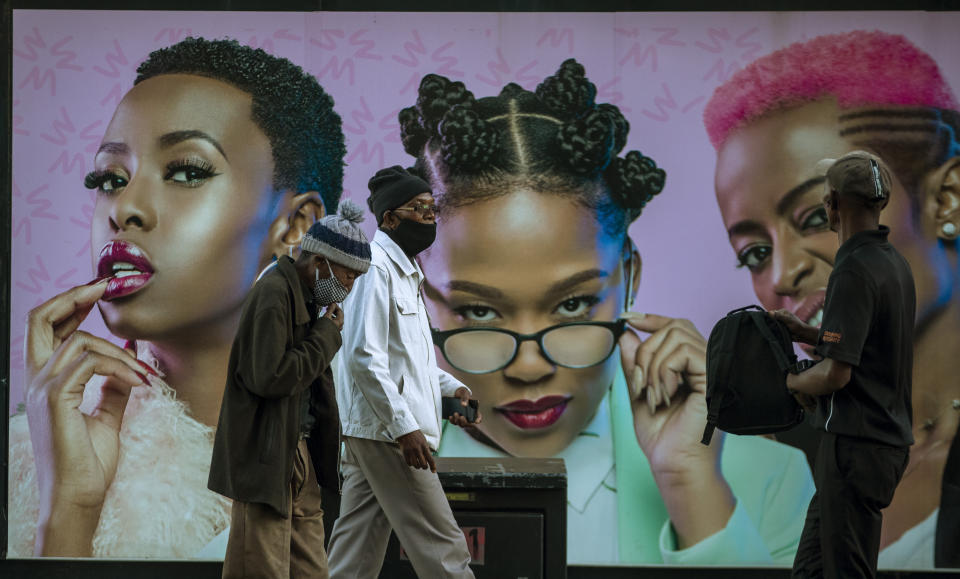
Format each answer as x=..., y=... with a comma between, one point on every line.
x=530, y=414
x=127, y=264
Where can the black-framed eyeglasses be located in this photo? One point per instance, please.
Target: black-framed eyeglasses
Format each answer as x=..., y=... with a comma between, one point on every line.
x=421, y=209
x=571, y=345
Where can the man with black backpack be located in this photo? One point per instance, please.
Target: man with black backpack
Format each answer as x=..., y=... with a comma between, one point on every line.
x=862, y=386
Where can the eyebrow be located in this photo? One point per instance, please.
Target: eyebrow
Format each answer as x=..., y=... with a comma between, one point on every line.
x=783, y=205
x=165, y=141
x=576, y=279
x=560, y=287
x=170, y=139
x=790, y=198
x=484, y=291
x=114, y=148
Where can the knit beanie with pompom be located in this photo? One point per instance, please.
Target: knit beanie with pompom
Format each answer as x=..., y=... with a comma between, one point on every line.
x=340, y=239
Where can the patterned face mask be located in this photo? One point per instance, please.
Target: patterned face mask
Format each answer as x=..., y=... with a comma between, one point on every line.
x=328, y=290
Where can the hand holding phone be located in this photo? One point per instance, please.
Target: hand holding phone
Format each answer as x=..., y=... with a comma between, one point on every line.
x=452, y=405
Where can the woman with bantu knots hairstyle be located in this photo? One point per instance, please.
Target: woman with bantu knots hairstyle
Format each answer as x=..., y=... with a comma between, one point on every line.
x=771, y=123
x=219, y=157
x=529, y=283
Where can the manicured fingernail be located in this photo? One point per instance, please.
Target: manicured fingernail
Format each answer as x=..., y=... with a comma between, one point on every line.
x=635, y=316
x=147, y=367
x=650, y=403
x=637, y=381
x=665, y=395
x=101, y=279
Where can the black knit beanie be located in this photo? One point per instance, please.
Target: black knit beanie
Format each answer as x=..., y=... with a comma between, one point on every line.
x=392, y=187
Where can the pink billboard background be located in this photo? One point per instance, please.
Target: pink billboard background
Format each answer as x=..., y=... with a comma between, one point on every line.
x=70, y=70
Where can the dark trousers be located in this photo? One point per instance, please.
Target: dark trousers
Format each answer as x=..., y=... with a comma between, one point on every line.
x=946, y=553
x=264, y=544
x=855, y=479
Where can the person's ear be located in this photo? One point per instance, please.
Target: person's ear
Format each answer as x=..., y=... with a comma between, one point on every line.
x=632, y=267
x=943, y=198
x=390, y=220
x=295, y=213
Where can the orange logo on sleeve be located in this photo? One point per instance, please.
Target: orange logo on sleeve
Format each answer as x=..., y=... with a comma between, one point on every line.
x=833, y=337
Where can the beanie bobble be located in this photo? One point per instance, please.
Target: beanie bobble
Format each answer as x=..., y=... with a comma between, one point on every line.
x=437, y=95
x=412, y=134
x=568, y=93
x=351, y=211
x=634, y=180
x=467, y=142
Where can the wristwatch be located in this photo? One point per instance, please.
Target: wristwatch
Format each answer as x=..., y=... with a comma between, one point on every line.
x=803, y=365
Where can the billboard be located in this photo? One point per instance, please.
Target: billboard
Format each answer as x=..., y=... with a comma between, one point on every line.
x=737, y=158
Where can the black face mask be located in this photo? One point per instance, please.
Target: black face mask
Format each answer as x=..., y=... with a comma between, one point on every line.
x=413, y=236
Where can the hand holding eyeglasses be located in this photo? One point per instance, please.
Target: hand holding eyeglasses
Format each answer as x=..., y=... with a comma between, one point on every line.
x=666, y=379
x=666, y=382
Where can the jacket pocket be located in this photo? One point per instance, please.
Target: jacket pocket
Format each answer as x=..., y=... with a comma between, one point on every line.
x=406, y=306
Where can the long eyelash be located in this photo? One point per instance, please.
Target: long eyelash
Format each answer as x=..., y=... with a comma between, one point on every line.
x=462, y=308
x=96, y=179
x=196, y=164
x=460, y=311
x=590, y=299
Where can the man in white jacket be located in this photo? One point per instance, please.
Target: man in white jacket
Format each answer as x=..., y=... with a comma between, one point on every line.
x=389, y=392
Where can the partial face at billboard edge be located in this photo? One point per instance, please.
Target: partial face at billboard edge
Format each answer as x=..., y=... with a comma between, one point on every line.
x=185, y=189
x=532, y=260
x=771, y=194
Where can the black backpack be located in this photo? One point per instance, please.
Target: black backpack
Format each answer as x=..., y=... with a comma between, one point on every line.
x=749, y=354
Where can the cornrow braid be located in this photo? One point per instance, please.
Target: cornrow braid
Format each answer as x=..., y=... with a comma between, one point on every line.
x=412, y=134
x=911, y=140
x=631, y=169
x=556, y=139
x=568, y=93
x=466, y=140
x=437, y=96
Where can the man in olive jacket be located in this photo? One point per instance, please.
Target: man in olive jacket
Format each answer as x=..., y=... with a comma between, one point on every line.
x=277, y=440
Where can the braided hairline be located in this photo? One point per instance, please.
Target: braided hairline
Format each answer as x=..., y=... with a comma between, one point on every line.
x=529, y=160
x=911, y=140
x=592, y=195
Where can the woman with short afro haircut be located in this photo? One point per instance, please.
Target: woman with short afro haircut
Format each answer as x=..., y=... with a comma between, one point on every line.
x=220, y=157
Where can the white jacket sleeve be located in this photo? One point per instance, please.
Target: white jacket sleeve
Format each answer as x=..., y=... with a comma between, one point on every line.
x=365, y=353
x=449, y=384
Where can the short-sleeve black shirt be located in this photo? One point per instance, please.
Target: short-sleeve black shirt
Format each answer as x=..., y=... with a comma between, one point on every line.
x=868, y=321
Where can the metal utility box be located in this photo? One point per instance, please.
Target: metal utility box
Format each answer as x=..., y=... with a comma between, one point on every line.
x=513, y=513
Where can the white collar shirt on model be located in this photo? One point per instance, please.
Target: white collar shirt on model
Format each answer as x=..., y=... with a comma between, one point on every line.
x=387, y=380
x=591, y=486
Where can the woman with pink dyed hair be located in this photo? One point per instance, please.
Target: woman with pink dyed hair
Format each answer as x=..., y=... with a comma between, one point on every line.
x=771, y=123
